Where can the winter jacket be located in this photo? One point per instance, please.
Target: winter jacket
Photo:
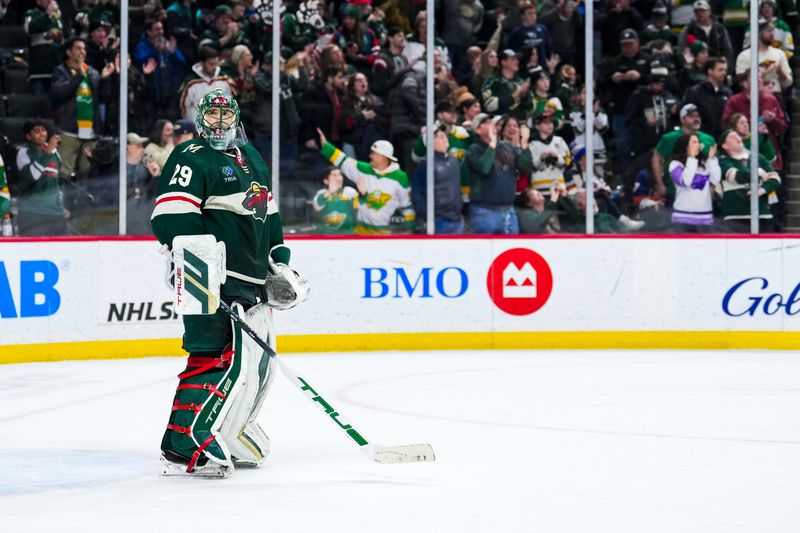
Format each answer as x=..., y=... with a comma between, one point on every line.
x=462, y=21
x=641, y=104
x=165, y=80
x=318, y=111
x=710, y=101
x=63, y=94
x=719, y=44
x=492, y=172
x=446, y=188
x=407, y=102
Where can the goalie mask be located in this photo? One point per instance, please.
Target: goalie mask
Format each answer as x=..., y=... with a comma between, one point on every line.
x=217, y=119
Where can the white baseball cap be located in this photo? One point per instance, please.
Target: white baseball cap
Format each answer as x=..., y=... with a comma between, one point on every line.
x=384, y=148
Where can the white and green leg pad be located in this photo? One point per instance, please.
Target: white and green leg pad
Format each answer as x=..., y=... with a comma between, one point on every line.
x=213, y=426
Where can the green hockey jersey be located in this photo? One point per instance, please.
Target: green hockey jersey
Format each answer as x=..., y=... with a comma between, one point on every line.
x=458, y=138
x=37, y=183
x=227, y=194
x=388, y=191
x=336, y=213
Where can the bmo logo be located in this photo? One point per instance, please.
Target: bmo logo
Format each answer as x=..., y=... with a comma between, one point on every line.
x=519, y=281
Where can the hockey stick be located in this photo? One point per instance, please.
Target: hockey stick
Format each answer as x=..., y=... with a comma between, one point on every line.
x=404, y=453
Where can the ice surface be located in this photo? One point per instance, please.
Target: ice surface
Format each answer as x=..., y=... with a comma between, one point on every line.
x=582, y=442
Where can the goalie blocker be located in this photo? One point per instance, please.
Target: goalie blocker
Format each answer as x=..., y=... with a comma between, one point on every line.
x=212, y=427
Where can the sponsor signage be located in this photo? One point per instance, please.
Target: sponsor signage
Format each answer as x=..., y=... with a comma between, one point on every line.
x=519, y=281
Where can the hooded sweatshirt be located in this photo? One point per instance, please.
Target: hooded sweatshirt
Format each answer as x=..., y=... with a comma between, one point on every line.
x=197, y=85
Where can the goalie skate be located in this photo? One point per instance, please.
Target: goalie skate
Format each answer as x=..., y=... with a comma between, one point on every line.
x=209, y=470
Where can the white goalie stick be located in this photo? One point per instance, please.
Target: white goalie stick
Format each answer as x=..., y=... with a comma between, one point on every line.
x=404, y=453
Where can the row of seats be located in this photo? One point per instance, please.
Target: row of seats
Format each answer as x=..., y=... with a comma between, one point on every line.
x=25, y=105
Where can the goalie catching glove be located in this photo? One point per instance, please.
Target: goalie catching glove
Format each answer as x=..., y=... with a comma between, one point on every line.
x=285, y=287
x=199, y=270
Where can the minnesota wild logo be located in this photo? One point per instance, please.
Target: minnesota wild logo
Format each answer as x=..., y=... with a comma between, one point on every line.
x=377, y=200
x=335, y=219
x=256, y=199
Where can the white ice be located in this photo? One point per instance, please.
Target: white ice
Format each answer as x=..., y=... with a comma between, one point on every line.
x=583, y=442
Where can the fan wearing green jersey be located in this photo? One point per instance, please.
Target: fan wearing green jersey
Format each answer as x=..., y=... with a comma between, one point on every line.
x=219, y=185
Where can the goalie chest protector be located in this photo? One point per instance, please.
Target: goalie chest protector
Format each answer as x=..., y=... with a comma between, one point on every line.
x=224, y=193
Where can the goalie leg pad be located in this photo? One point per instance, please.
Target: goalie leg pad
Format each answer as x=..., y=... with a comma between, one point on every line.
x=248, y=443
x=207, y=392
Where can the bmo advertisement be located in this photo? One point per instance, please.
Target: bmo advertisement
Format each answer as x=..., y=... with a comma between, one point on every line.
x=99, y=298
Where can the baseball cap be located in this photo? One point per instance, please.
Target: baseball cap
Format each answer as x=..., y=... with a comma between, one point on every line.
x=659, y=9
x=384, y=148
x=223, y=9
x=99, y=23
x=628, y=35
x=508, y=53
x=134, y=138
x=764, y=24
x=688, y=109
x=479, y=119
x=701, y=4
x=185, y=126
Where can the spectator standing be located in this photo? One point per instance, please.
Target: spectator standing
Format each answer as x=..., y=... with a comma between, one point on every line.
x=363, y=118
x=41, y=201
x=711, y=95
x=612, y=23
x=578, y=120
x=360, y=43
x=782, y=34
x=650, y=112
x=391, y=65
x=100, y=50
x=322, y=109
x=658, y=29
x=76, y=92
x=772, y=61
x=739, y=123
x=506, y=93
x=626, y=72
x=469, y=108
x=161, y=143
x=242, y=70
x=771, y=114
x=335, y=205
x=492, y=166
x=457, y=137
x=206, y=76
x=694, y=176
x=549, y=156
x=407, y=108
x=693, y=72
x=45, y=30
x=704, y=28
x=530, y=35
x=447, y=188
x=163, y=65
x=225, y=33
x=542, y=102
x=735, y=167
x=691, y=122
x=382, y=184
x=417, y=42
x=561, y=19
x=142, y=182
x=461, y=22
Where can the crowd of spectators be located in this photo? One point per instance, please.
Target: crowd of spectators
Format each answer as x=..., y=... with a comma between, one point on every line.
x=671, y=111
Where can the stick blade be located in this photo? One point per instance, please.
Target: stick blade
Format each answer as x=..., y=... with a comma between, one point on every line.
x=406, y=453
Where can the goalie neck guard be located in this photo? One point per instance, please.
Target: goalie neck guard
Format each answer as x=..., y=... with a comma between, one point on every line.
x=217, y=121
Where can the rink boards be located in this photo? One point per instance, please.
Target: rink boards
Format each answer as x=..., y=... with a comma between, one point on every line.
x=100, y=298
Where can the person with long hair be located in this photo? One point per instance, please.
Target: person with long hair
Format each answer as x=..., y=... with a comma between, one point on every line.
x=694, y=174
x=161, y=143
x=741, y=125
x=363, y=118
